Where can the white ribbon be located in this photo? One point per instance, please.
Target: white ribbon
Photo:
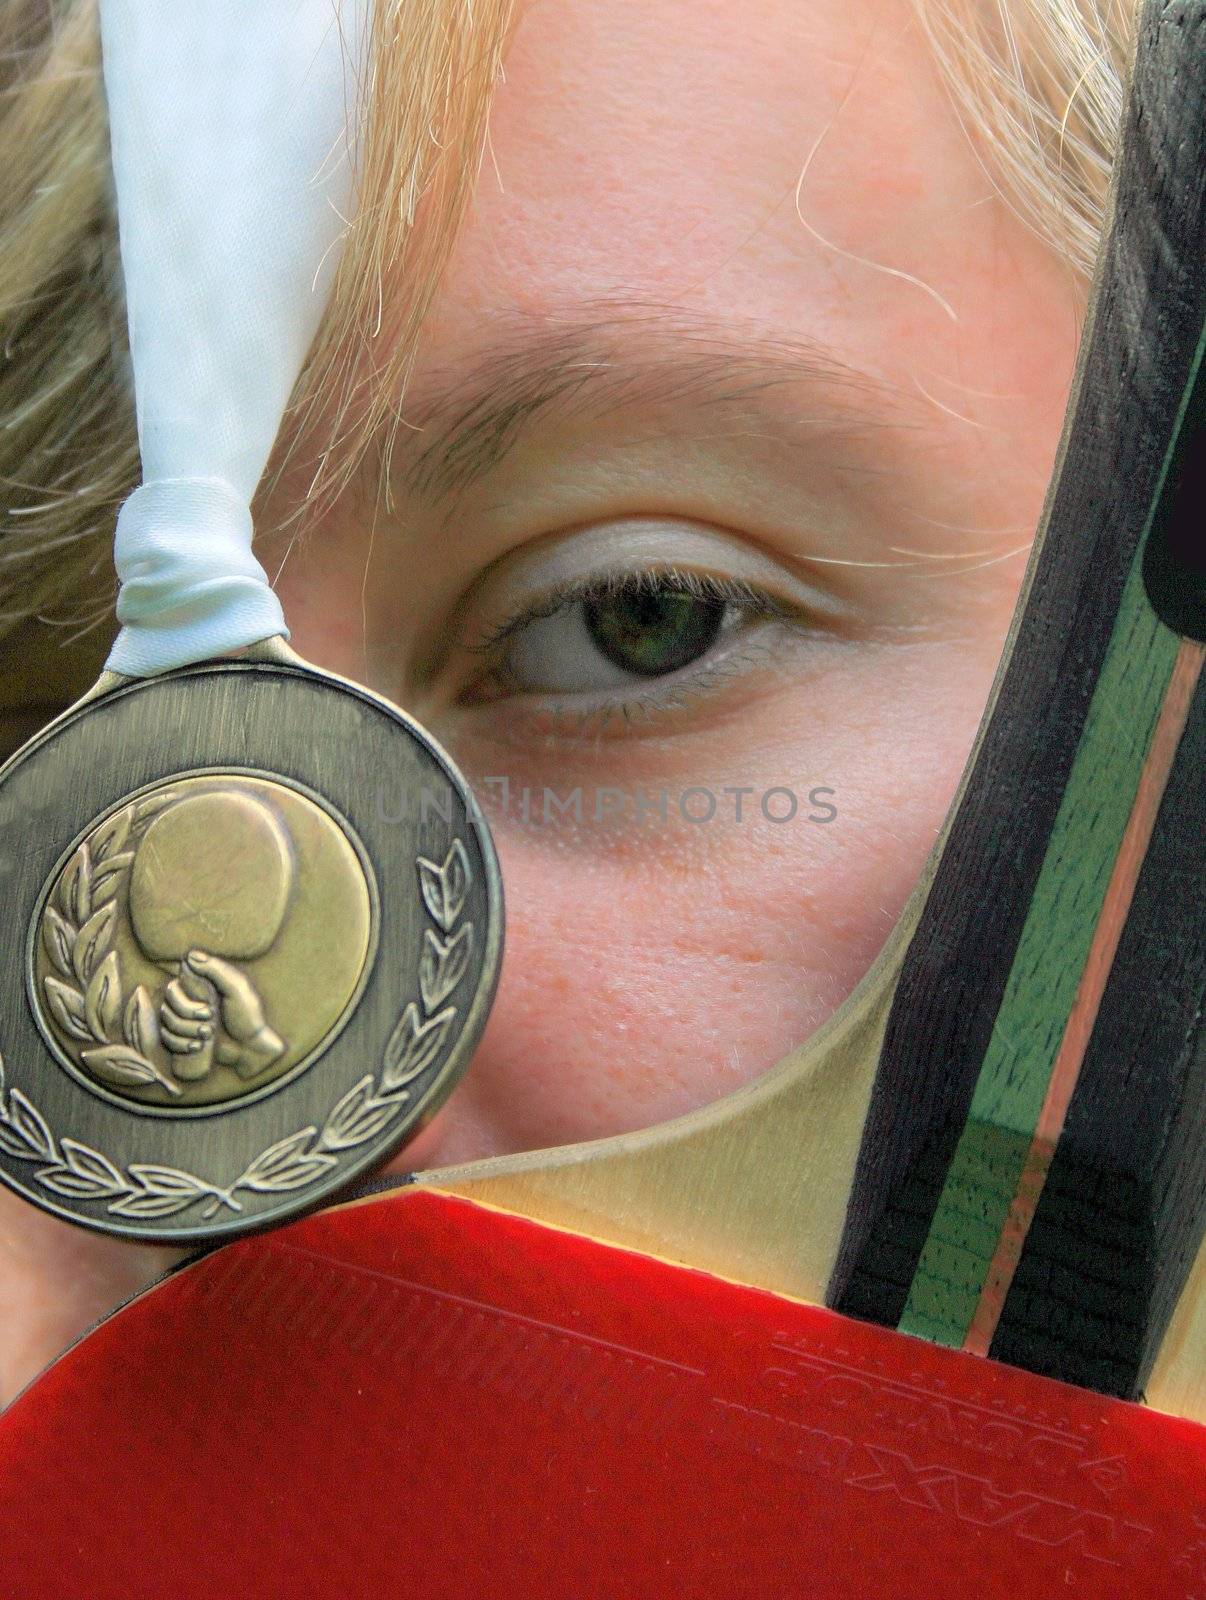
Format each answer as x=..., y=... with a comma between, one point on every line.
x=232, y=125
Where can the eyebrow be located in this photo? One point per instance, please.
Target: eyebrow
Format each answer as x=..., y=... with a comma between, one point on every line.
x=458, y=425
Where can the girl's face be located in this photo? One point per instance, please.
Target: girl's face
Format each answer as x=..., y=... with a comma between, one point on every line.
x=710, y=501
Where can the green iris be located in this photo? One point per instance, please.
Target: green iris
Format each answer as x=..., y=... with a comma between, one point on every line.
x=650, y=630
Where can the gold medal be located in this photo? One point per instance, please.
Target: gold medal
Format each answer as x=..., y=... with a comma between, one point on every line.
x=244, y=982
x=232, y=982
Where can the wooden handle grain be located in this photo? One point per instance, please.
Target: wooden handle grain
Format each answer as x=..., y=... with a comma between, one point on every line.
x=1031, y=1181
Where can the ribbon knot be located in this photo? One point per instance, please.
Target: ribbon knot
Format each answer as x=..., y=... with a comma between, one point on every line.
x=190, y=586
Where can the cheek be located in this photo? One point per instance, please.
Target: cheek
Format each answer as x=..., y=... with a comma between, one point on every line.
x=649, y=977
x=630, y=996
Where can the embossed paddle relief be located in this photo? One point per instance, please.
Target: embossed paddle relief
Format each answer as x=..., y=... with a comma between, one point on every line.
x=605, y=1371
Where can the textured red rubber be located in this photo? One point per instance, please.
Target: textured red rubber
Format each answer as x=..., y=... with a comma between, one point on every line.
x=417, y=1395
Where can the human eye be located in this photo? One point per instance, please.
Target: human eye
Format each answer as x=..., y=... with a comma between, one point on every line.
x=631, y=626
x=625, y=634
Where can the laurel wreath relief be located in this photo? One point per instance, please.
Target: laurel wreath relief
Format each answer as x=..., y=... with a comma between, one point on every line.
x=84, y=994
x=87, y=993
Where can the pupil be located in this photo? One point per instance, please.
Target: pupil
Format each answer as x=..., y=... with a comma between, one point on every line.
x=653, y=631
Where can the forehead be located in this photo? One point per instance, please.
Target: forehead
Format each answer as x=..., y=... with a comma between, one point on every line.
x=697, y=152
x=794, y=168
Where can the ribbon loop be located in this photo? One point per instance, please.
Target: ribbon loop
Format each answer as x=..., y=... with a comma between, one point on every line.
x=233, y=129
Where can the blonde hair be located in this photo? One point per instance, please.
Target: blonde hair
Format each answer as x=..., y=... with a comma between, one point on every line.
x=68, y=448
x=1037, y=84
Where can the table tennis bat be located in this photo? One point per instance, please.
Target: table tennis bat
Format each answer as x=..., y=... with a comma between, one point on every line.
x=743, y=1353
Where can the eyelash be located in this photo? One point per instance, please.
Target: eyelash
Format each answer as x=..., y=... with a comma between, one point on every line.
x=701, y=586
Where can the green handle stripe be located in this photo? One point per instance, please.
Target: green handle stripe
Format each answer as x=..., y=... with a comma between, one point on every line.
x=1050, y=958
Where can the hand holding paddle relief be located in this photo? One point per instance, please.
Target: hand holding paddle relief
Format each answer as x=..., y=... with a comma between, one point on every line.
x=231, y=987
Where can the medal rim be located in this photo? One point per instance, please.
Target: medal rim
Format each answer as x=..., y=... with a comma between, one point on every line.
x=351, y=1164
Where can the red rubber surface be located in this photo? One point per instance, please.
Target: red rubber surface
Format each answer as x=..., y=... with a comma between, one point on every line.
x=419, y=1397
